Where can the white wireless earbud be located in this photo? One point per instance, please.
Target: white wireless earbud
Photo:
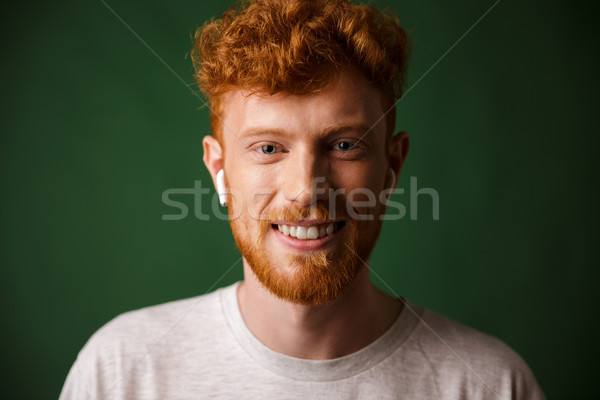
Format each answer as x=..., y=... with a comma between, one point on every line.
x=221, y=187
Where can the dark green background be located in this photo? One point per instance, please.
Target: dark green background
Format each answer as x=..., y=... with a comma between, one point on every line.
x=95, y=128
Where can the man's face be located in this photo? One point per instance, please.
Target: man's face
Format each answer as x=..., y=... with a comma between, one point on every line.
x=305, y=185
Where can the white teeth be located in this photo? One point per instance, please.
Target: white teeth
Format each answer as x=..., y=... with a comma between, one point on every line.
x=303, y=232
x=329, y=229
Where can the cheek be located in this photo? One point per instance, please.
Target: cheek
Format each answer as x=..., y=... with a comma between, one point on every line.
x=366, y=176
x=363, y=187
x=254, y=190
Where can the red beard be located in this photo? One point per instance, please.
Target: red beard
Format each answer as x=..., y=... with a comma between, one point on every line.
x=316, y=278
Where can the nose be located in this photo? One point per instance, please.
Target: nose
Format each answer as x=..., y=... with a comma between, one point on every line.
x=305, y=178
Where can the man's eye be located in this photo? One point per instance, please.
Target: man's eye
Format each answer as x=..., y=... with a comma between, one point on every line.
x=344, y=146
x=268, y=149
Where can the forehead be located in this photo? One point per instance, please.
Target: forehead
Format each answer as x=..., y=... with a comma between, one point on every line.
x=350, y=100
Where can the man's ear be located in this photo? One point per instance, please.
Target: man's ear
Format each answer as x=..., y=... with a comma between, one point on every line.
x=399, y=144
x=213, y=156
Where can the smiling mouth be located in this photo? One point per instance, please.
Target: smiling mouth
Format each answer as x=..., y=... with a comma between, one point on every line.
x=311, y=232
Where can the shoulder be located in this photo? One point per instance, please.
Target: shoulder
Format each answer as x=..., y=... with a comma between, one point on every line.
x=471, y=361
x=133, y=344
x=144, y=326
x=461, y=343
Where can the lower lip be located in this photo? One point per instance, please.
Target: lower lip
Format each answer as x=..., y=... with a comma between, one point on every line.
x=305, y=244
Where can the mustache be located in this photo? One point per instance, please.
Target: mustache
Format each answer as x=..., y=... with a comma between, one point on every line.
x=319, y=211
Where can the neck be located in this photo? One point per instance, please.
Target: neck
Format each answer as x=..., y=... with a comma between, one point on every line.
x=321, y=332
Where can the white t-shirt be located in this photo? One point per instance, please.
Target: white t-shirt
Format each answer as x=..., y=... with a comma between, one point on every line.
x=200, y=348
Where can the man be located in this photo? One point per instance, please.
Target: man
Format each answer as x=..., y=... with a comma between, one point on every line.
x=304, y=157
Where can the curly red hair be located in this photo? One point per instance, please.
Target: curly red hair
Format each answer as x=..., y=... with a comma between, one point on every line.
x=298, y=46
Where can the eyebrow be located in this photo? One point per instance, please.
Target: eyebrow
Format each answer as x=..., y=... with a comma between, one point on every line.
x=258, y=131
x=336, y=128
x=330, y=130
